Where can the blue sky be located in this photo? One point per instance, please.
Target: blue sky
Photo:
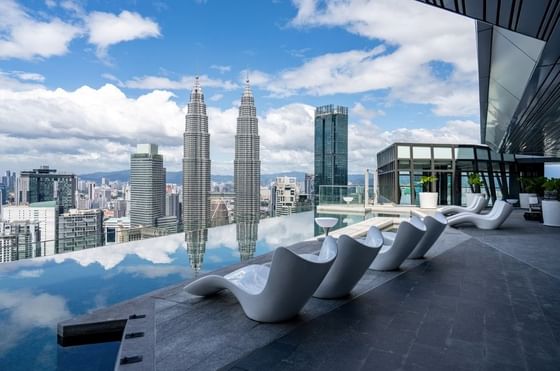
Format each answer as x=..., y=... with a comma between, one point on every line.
x=81, y=82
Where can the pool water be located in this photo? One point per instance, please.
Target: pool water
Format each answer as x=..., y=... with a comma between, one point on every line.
x=36, y=294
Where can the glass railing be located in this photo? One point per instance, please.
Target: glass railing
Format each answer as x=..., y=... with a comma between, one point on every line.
x=345, y=195
x=23, y=247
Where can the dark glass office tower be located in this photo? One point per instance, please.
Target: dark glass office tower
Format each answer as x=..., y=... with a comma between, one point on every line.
x=147, y=186
x=46, y=184
x=331, y=146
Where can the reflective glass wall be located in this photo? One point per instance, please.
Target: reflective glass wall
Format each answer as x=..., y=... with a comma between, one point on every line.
x=402, y=165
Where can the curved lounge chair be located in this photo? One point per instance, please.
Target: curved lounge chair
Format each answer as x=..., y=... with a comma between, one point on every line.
x=275, y=293
x=435, y=225
x=493, y=220
x=353, y=259
x=394, y=252
x=479, y=203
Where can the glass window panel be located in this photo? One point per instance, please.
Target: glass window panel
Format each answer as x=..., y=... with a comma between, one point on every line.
x=403, y=151
x=495, y=156
x=422, y=164
x=404, y=188
x=421, y=153
x=442, y=165
x=482, y=153
x=482, y=166
x=464, y=153
x=404, y=164
x=509, y=157
x=464, y=165
x=442, y=153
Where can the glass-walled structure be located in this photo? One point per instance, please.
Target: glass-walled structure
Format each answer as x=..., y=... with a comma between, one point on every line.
x=401, y=166
x=331, y=146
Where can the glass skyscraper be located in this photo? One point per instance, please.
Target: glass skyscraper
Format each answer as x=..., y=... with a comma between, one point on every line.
x=331, y=146
x=196, y=177
x=44, y=184
x=147, y=186
x=247, y=174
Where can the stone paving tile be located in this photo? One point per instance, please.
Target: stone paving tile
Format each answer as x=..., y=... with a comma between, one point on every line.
x=506, y=321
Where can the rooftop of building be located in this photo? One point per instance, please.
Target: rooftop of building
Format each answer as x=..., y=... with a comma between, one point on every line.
x=331, y=109
x=481, y=300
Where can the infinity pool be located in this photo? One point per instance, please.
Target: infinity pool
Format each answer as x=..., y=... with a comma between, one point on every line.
x=36, y=294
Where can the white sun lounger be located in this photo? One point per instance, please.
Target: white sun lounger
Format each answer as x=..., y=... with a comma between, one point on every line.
x=493, y=220
x=277, y=292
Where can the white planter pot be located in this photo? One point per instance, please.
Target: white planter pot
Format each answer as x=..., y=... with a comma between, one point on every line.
x=551, y=213
x=524, y=199
x=428, y=200
x=471, y=197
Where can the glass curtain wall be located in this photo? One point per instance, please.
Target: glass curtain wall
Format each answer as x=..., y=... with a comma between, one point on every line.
x=402, y=165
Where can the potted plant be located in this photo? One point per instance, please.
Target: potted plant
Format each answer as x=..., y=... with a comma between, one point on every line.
x=475, y=181
x=428, y=200
x=532, y=187
x=550, y=203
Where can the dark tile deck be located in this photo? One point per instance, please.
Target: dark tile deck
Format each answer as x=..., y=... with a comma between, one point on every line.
x=475, y=307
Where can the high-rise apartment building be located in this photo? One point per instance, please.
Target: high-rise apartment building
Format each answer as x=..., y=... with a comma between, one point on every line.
x=44, y=184
x=80, y=229
x=331, y=147
x=286, y=196
x=147, y=186
x=172, y=204
x=19, y=240
x=196, y=163
x=44, y=213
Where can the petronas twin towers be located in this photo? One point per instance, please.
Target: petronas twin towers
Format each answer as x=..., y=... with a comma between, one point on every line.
x=196, y=176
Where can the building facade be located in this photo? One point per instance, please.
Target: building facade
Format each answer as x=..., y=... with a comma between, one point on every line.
x=247, y=165
x=19, y=240
x=196, y=163
x=331, y=146
x=286, y=196
x=147, y=186
x=518, y=73
x=80, y=229
x=44, y=213
x=247, y=175
x=196, y=177
x=44, y=184
x=401, y=165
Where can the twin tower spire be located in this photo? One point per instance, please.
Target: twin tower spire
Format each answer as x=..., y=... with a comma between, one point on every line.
x=196, y=172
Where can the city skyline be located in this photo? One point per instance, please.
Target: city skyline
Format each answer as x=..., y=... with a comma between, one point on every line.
x=366, y=64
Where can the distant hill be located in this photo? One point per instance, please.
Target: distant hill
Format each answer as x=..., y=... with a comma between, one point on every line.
x=177, y=176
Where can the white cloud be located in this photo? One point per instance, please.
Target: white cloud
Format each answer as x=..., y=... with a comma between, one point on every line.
x=216, y=97
x=220, y=68
x=185, y=82
x=410, y=36
x=29, y=76
x=106, y=29
x=25, y=311
x=96, y=130
x=23, y=37
x=19, y=80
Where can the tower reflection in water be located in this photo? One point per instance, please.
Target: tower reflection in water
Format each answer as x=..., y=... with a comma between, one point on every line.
x=196, y=247
x=247, y=235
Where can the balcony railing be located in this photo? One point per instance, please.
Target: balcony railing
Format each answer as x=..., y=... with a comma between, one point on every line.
x=341, y=195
